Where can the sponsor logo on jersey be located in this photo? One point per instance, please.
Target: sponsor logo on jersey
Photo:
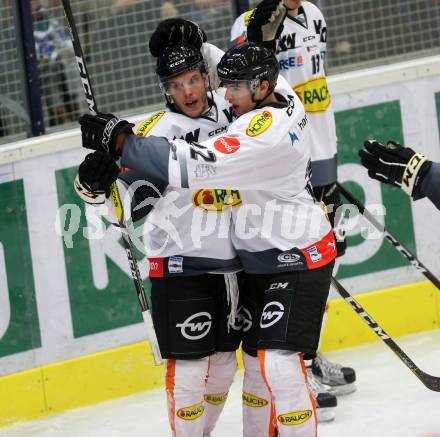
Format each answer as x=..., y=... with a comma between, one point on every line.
x=247, y=16
x=192, y=412
x=315, y=256
x=175, y=264
x=312, y=49
x=308, y=38
x=204, y=171
x=289, y=259
x=286, y=42
x=196, y=326
x=291, y=62
x=320, y=253
x=314, y=95
x=149, y=123
x=293, y=137
x=320, y=30
x=253, y=401
x=227, y=145
x=216, y=199
x=259, y=124
x=302, y=124
x=217, y=131
x=216, y=398
x=156, y=267
x=272, y=313
x=190, y=137
x=295, y=418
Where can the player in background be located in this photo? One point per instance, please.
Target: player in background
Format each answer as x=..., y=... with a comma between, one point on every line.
x=402, y=167
x=301, y=51
x=266, y=155
x=191, y=270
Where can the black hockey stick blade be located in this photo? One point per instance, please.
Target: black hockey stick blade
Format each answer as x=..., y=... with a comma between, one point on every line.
x=430, y=381
x=413, y=260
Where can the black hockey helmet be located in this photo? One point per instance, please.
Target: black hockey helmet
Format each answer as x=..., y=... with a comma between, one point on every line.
x=251, y=63
x=178, y=59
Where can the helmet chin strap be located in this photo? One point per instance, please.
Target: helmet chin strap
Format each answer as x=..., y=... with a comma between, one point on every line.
x=211, y=102
x=258, y=102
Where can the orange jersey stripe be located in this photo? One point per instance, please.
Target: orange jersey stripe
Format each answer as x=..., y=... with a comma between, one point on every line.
x=304, y=371
x=170, y=379
x=272, y=432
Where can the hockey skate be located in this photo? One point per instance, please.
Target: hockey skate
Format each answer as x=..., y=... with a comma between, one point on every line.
x=337, y=379
x=325, y=402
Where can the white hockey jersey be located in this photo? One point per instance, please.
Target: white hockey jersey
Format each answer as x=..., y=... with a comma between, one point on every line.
x=188, y=231
x=301, y=51
x=265, y=154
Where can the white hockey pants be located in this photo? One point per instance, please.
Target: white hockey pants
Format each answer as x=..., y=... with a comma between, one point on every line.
x=285, y=377
x=196, y=392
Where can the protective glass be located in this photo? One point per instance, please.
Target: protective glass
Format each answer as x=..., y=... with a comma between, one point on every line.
x=240, y=87
x=174, y=87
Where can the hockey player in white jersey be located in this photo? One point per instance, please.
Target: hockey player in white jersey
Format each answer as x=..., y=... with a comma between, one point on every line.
x=282, y=236
x=301, y=51
x=187, y=239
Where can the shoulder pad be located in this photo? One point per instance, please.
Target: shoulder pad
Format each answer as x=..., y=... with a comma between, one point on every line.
x=146, y=126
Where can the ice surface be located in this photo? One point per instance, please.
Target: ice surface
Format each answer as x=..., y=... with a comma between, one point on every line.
x=389, y=402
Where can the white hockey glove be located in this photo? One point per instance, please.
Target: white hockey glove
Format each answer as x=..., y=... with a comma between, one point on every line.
x=394, y=164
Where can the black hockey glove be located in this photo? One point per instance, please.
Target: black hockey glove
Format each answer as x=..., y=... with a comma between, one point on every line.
x=394, y=164
x=99, y=132
x=266, y=23
x=97, y=173
x=173, y=31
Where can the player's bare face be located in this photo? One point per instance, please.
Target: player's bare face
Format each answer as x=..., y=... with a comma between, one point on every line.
x=240, y=98
x=292, y=5
x=188, y=91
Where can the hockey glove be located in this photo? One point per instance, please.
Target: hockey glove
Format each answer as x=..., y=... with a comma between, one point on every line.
x=394, y=164
x=99, y=132
x=174, y=31
x=95, y=176
x=266, y=23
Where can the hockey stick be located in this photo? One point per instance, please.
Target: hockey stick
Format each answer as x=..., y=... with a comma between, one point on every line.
x=128, y=244
x=413, y=260
x=431, y=382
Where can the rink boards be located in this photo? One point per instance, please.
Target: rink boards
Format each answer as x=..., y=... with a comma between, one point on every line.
x=70, y=327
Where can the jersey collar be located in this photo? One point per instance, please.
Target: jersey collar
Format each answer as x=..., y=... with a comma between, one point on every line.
x=212, y=112
x=300, y=19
